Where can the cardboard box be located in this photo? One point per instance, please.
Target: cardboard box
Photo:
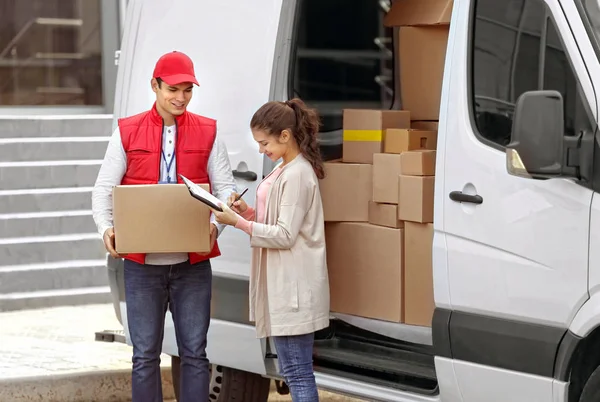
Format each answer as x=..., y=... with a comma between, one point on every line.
x=418, y=163
x=425, y=125
x=419, y=12
x=403, y=140
x=346, y=191
x=415, y=199
x=365, y=270
x=386, y=169
x=418, y=274
x=384, y=215
x=422, y=56
x=364, y=132
x=159, y=218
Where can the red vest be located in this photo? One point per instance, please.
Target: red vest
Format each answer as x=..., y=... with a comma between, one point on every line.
x=141, y=136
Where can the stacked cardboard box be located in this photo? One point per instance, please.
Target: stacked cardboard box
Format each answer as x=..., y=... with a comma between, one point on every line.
x=364, y=132
x=364, y=260
x=423, y=27
x=415, y=198
x=378, y=201
x=365, y=237
x=422, y=41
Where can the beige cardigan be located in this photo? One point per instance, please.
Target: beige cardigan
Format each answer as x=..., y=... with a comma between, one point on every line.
x=289, y=284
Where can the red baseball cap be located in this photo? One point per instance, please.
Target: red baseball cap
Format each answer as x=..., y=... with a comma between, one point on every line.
x=175, y=68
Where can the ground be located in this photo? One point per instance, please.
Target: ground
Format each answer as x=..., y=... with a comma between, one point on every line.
x=48, y=353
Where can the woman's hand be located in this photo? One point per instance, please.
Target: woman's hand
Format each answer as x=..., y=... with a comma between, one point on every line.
x=238, y=206
x=227, y=217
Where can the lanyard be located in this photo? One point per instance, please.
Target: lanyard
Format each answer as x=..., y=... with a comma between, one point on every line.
x=169, y=164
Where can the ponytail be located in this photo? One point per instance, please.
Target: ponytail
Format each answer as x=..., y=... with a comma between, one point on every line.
x=294, y=115
x=307, y=133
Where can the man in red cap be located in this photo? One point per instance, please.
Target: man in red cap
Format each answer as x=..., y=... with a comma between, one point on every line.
x=149, y=148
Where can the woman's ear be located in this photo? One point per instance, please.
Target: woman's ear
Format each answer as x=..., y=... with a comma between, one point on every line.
x=285, y=136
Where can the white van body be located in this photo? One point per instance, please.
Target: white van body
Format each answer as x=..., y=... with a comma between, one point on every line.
x=516, y=278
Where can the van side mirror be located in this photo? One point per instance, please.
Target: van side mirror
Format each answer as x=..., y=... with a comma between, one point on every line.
x=538, y=147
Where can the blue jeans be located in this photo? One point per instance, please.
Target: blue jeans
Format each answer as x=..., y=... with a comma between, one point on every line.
x=294, y=354
x=186, y=290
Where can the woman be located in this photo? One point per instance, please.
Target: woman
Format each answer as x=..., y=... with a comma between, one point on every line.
x=289, y=285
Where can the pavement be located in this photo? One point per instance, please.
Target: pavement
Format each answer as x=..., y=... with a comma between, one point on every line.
x=51, y=355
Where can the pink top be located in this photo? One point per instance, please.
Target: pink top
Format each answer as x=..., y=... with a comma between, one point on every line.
x=258, y=215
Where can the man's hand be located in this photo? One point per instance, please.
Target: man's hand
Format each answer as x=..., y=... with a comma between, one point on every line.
x=109, y=242
x=213, y=238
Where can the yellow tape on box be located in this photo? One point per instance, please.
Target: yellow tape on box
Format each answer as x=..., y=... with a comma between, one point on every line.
x=363, y=135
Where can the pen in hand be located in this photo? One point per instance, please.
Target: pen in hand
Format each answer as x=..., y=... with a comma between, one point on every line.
x=239, y=197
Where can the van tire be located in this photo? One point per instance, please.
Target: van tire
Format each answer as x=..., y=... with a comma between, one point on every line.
x=591, y=390
x=227, y=384
x=243, y=386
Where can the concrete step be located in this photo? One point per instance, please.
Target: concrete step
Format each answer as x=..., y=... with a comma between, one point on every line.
x=51, y=174
x=41, y=249
x=52, y=148
x=56, y=126
x=29, y=224
x=45, y=199
x=53, y=276
x=54, y=298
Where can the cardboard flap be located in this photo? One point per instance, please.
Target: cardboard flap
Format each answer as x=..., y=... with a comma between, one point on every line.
x=419, y=12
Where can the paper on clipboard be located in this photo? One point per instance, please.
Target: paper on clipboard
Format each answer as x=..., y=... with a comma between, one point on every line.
x=202, y=195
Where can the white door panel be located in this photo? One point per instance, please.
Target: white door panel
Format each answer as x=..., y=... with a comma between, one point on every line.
x=444, y=369
x=481, y=383
x=232, y=45
x=594, y=249
x=522, y=266
x=523, y=252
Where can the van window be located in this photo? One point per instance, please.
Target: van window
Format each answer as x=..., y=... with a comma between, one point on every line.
x=336, y=62
x=517, y=48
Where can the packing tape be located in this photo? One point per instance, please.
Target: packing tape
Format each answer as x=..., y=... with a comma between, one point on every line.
x=363, y=135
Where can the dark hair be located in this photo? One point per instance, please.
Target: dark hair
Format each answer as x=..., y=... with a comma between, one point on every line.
x=302, y=121
x=159, y=81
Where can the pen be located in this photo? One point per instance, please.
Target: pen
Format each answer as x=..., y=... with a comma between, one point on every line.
x=239, y=197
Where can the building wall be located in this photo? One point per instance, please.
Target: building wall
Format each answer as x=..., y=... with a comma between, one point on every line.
x=58, y=54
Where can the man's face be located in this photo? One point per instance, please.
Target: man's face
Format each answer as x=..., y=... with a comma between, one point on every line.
x=172, y=99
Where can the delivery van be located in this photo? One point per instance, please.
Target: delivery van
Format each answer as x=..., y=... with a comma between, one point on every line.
x=462, y=214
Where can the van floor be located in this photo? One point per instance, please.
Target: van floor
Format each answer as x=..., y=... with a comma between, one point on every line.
x=353, y=353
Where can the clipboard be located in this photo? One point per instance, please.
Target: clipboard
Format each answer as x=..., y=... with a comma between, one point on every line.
x=201, y=194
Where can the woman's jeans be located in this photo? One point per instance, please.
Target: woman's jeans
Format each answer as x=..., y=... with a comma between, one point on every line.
x=296, y=364
x=186, y=290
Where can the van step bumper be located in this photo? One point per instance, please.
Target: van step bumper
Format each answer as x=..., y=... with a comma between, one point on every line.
x=362, y=356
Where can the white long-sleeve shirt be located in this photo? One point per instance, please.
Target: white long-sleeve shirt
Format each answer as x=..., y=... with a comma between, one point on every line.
x=113, y=169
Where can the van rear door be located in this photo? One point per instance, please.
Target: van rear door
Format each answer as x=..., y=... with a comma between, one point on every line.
x=232, y=45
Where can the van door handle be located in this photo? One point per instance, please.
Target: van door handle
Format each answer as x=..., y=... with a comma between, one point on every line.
x=459, y=196
x=246, y=175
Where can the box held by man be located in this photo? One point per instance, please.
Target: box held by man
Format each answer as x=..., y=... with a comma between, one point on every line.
x=160, y=218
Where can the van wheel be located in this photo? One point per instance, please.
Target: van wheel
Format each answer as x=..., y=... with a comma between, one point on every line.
x=591, y=390
x=227, y=384
x=216, y=379
x=243, y=386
